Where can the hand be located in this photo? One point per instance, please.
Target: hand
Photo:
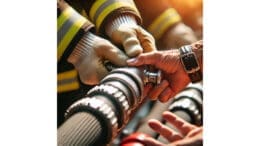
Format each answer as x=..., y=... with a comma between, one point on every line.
x=135, y=40
x=189, y=135
x=174, y=77
x=89, y=55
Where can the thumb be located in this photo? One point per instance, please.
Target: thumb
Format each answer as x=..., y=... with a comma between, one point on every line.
x=127, y=37
x=146, y=39
x=132, y=46
x=114, y=55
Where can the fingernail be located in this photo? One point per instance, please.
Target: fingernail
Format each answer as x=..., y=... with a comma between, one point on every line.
x=131, y=61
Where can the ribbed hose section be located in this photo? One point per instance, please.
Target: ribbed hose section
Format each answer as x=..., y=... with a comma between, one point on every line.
x=82, y=129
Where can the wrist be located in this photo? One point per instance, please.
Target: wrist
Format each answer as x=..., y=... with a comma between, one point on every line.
x=190, y=63
x=118, y=21
x=83, y=47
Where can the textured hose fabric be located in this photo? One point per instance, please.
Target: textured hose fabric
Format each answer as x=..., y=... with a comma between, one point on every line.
x=86, y=132
x=65, y=99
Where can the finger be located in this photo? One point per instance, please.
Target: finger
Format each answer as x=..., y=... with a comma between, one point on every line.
x=193, y=141
x=113, y=54
x=147, y=88
x=127, y=37
x=91, y=71
x=165, y=95
x=183, y=126
x=179, y=81
x=194, y=132
x=165, y=131
x=156, y=91
x=146, y=39
x=145, y=59
x=132, y=46
x=149, y=141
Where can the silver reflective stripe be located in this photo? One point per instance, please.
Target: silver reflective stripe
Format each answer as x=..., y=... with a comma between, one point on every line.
x=67, y=25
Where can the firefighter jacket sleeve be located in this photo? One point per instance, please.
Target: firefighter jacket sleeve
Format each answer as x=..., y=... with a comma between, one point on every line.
x=71, y=27
x=120, y=21
x=165, y=24
x=191, y=13
x=79, y=46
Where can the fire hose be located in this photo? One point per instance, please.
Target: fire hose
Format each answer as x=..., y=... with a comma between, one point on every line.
x=97, y=118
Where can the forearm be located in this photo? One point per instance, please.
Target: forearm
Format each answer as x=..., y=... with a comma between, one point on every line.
x=150, y=10
x=102, y=13
x=71, y=28
x=158, y=16
x=165, y=24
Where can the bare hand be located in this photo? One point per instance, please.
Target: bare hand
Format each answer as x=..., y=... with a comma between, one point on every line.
x=174, y=77
x=189, y=135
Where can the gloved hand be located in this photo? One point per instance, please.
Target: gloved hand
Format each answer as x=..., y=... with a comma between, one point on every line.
x=89, y=55
x=124, y=30
x=189, y=135
x=177, y=36
x=174, y=76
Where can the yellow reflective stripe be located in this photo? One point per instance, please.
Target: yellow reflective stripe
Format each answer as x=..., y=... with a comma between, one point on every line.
x=69, y=36
x=165, y=26
x=84, y=14
x=68, y=75
x=68, y=87
x=159, y=19
x=95, y=7
x=109, y=9
x=64, y=16
x=160, y=24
